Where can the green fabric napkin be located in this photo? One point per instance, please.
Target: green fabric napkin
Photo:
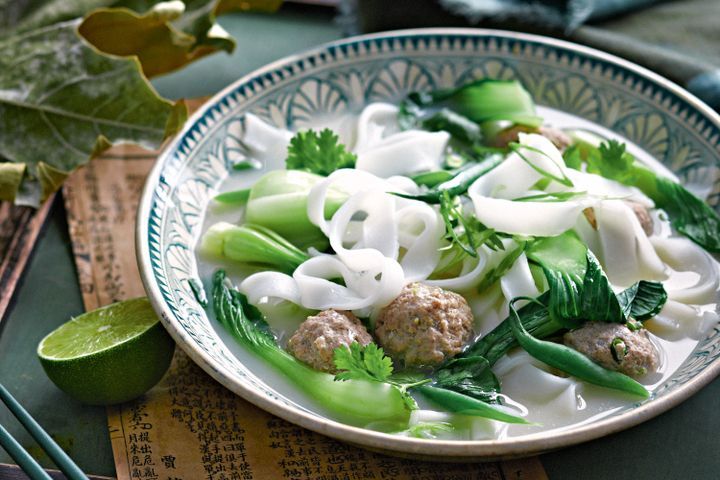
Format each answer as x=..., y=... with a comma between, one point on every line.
x=679, y=40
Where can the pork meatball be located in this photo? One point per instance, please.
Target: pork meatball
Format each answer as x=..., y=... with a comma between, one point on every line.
x=315, y=341
x=643, y=216
x=511, y=134
x=615, y=347
x=424, y=325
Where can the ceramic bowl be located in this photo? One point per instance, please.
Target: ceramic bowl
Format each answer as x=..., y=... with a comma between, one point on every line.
x=654, y=114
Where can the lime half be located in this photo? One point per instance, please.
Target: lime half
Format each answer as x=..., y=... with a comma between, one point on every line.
x=109, y=355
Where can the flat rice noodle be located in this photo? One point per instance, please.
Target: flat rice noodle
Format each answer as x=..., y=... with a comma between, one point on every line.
x=678, y=320
x=518, y=281
x=266, y=142
x=273, y=286
x=420, y=230
x=625, y=250
x=683, y=255
x=475, y=269
x=374, y=287
x=492, y=194
x=376, y=121
x=404, y=153
x=541, y=219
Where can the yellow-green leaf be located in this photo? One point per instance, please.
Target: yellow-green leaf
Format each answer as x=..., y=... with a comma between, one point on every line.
x=169, y=34
x=11, y=175
x=62, y=102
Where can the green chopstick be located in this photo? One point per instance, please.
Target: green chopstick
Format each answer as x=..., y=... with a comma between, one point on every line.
x=23, y=459
x=56, y=454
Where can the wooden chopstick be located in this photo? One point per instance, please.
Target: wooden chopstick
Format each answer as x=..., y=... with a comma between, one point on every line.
x=56, y=454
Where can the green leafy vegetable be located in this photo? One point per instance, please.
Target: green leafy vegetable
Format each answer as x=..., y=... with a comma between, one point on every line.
x=688, y=214
x=470, y=376
x=479, y=101
x=357, y=402
x=251, y=244
x=459, y=403
x=278, y=201
x=319, y=153
x=642, y=300
x=579, y=289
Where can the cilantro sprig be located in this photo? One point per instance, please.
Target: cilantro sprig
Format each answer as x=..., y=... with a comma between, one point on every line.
x=370, y=363
x=320, y=153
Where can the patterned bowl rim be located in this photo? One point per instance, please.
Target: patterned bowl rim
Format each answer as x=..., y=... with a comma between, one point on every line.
x=465, y=450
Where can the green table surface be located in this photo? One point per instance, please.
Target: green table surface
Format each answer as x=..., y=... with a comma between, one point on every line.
x=682, y=443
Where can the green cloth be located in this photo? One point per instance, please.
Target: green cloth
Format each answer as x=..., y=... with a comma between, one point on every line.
x=678, y=39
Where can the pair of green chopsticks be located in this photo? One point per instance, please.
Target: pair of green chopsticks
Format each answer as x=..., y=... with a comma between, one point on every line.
x=22, y=457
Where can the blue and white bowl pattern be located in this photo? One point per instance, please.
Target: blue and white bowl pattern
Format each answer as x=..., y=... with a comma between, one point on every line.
x=344, y=76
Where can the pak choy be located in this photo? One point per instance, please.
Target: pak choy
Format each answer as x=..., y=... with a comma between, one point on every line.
x=578, y=291
x=365, y=391
x=688, y=214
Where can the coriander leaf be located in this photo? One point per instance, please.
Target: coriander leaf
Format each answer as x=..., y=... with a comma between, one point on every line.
x=379, y=365
x=370, y=363
x=350, y=363
x=318, y=153
x=362, y=363
x=613, y=160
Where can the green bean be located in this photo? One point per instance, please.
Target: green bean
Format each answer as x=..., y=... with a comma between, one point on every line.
x=570, y=361
x=460, y=183
x=432, y=179
x=496, y=343
x=458, y=403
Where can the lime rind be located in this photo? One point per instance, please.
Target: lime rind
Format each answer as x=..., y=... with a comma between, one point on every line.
x=110, y=355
